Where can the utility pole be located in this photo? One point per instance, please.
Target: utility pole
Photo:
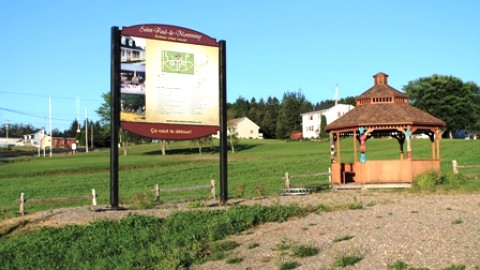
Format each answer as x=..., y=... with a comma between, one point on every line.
x=6, y=127
x=50, y=115
x=77, y=137
x=86, y=130
x=91, y=136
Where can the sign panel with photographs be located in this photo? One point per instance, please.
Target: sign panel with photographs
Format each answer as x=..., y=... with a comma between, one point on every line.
x=169, y=82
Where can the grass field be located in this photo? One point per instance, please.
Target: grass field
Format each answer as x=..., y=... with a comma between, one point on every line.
x=256, y=169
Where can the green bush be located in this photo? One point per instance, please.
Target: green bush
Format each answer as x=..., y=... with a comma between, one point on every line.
x=218, y=250
x=454, y=180
x=427, y=181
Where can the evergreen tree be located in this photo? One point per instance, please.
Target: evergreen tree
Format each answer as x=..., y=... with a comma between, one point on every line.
x=289, y=120
x=268, y=125
x=240, y=108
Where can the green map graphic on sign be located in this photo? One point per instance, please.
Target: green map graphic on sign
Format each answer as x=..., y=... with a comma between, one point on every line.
x=178, y=62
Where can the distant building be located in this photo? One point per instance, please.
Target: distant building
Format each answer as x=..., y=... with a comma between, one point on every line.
x=42, y=140
x=244, y=128
x=311, y=121
x=11, y=142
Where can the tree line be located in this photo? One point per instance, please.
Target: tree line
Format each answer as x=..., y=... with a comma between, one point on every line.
x=278, y=119
x=445, y=97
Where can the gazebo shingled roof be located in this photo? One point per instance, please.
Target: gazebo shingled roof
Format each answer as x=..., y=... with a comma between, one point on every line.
x=383, y=107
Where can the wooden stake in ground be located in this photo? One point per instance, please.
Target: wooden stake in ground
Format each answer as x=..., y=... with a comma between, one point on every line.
x=22, y=204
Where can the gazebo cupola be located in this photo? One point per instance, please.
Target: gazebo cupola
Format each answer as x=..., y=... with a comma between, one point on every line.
x=381, y=93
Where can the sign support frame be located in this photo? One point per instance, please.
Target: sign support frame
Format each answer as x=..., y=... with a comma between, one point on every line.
x=223, y=123
x=114, y=116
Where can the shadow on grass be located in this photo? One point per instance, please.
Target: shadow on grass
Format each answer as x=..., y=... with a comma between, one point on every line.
x=316, y=187
x=205, y=150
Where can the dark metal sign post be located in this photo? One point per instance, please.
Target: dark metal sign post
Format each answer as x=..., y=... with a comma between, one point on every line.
x=115, y=116
x=223, y=124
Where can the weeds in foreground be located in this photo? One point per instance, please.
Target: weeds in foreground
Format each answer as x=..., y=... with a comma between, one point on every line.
x=176, y=242
x=219, y=249
x=289, y=265
x=304, y=251
x=142, y=201
x=342, y=238
x=400, y=265
x=284, y=244
x=347, y=260
x=240, y=190
x=260, y=190
x=234, y=260
x=196, y=204
x=454, y=267
x=457, y=221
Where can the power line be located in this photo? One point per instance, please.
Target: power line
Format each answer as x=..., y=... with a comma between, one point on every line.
x=31, y=115
x=45, y=96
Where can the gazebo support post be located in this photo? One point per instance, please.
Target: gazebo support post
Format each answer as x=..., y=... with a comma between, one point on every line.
x=401, y=142
x=355, y=158
x=339, y=156
x=437, y=139
x=408, y=134
x=433, y=145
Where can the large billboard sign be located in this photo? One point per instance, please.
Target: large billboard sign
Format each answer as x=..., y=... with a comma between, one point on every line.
x=169, y=82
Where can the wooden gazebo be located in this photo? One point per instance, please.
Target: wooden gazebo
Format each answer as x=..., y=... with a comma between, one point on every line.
x=382, y=111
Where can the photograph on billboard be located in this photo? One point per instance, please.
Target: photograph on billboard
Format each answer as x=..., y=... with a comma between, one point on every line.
x=169, y=81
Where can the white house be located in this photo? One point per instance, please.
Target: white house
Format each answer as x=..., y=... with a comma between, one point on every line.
x=311, y=121
x=244, y=129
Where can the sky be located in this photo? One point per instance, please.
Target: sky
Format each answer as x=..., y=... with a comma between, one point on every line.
x=60, y=50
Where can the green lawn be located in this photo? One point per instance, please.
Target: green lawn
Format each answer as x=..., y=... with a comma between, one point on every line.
x=255, y=169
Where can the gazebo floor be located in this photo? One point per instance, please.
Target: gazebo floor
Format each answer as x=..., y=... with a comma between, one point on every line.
x=355, y=186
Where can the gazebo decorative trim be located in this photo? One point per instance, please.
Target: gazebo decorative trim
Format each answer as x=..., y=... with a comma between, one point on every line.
x=383, y=111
